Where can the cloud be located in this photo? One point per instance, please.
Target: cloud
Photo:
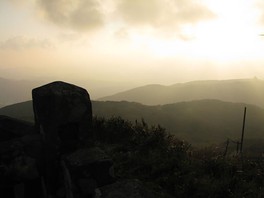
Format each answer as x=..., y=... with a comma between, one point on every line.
x=139, y=11
x=163, y=16
x=21, y=43
x=18, y=2
x=89, y=14
x=159, y=13
x=66, y=37
x=122, y=33
x=260, y=6
x=75, y=14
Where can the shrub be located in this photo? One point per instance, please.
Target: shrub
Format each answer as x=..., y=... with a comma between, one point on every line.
x=151, y=154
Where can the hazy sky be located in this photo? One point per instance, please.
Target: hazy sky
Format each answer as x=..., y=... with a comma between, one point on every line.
x=143, y=41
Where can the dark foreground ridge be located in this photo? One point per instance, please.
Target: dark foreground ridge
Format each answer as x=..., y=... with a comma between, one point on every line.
x=70, y=153
x=48, y=159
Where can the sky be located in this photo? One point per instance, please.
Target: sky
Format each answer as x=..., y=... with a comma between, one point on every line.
x=132, y=42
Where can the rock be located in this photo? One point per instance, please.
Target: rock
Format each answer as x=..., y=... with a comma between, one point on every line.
x=18, y=137
x=11, y=149
x=11, y=128
x=87, y=187
x=91, y=163
x=16, y=166
x=132, y=188
x=21, y=157
x=23, y=168
x=63, y=111
x=33, y=145
x=63, y=115
x=84, y=157
x=30, y=145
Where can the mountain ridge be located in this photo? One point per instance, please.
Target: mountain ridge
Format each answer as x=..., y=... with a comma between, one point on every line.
x=14, y=91
x=248, y=91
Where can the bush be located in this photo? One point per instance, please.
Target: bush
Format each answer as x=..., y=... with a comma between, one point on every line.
x=151, y=154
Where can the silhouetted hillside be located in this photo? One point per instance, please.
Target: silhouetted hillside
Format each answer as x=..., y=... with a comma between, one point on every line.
x=199, y=122
x=23, y=110
x=248, y=91
x=205, y=121
x=146, y=160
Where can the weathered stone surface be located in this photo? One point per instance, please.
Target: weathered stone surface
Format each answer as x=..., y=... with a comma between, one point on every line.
x=91, y=163
x=63, y=114
x=20, y=153
x=84, y=157
x=30, y=145
x=62, y=110
x=20, y=159
x=61, y=102
x=19, y=163
x=87, y=187
x=13, y=128
x=128, y=189
x=24, y=168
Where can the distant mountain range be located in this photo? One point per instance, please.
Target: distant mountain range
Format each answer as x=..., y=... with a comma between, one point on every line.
x=200, y=122
x=250, y=91
x=14, y=91
x=200, y=111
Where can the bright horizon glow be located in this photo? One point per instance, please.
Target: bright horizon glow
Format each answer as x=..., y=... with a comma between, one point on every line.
x=218, y=40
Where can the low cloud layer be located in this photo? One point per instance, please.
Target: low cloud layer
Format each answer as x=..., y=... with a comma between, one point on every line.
x=22, y=43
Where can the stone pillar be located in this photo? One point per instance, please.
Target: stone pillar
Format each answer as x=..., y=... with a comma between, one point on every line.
x=63, y=114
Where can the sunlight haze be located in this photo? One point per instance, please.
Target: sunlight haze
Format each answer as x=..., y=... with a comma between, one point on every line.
x=131, y=42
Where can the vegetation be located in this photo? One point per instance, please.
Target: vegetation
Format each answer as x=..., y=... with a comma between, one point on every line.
x=163, y=162
x=166, y=163
x=202, y=122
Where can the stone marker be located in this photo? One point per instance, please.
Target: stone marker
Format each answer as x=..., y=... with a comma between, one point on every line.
x=63, y=114
x=62, y=110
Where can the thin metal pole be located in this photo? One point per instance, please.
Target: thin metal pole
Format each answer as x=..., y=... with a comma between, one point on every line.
x=243, y=130
x=237, y=149
x=226, y=149
x=240, y=166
